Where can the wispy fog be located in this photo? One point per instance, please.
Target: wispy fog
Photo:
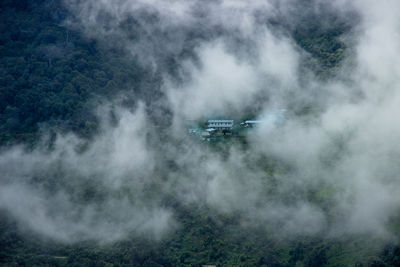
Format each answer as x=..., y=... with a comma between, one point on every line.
x=333, y=169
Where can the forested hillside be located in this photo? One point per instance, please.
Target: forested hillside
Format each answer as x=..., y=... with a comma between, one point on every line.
x=54, y=79
x=51, y=74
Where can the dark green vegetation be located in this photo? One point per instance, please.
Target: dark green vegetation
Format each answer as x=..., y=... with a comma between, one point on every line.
x=49, y=75
x=323, y=42
x=201, y=240
x=52, y=77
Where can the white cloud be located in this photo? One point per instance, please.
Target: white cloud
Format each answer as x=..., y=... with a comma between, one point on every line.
x=345, y=153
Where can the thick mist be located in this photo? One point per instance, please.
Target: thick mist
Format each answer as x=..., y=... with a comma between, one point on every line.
x=331, y=170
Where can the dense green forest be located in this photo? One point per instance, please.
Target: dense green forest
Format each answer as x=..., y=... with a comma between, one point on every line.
x=50, y=74
x=52, y=78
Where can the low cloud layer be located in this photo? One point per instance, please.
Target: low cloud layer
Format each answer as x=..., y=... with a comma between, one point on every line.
x=333, y=169
x=98, y=192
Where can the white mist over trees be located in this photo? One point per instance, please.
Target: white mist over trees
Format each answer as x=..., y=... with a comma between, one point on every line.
x=229, y=57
